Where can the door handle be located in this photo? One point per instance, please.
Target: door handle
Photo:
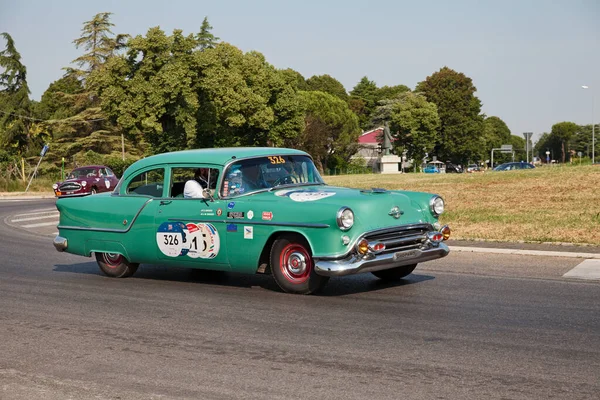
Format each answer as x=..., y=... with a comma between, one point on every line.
x=165, y=202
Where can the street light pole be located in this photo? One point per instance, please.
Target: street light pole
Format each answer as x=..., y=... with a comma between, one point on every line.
x=593, y=127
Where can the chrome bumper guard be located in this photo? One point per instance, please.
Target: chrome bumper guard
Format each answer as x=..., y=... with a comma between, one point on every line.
x=355, y=264
x=60, y=243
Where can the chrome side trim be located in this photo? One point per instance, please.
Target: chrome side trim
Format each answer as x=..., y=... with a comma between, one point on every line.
x=111, y=230
x=60, y=243
x=250, y=222
x=355, y=265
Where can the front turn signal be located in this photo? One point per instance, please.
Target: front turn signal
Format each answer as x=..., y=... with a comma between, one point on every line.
x=446, y=232
x=362, y=247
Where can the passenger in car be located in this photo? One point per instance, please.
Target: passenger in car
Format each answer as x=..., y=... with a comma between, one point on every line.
x=194, y=188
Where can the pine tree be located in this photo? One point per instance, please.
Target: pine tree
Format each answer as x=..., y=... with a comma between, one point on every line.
x=206, y=40
x=15, y=106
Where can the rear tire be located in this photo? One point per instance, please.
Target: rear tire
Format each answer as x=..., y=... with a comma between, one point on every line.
x=293, y=267
x=115, y=265
x=395, y=274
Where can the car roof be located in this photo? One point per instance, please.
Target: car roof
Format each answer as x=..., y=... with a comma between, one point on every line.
x=219, y=156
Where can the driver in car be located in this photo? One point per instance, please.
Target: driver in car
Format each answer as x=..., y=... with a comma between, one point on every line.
x=252, y=178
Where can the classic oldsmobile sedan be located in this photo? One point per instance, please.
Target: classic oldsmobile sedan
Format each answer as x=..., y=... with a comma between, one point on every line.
x=260, y=210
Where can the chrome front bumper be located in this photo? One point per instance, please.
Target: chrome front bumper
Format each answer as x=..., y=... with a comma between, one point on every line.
x=354, y=264
x=60, y=243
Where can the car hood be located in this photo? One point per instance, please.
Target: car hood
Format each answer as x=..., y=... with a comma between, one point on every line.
x=77, y=180
x=372, y=207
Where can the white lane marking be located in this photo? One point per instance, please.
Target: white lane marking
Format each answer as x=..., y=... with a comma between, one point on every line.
x=588, y=269
x=46, y=216
x=525, y=252
x=40, y=224
x=36, y=212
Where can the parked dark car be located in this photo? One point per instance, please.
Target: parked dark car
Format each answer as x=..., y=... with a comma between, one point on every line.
x=86, y=180
x=513, y=165
x=453, y=168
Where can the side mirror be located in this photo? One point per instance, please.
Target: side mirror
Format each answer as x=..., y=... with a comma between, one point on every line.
x=208, y=194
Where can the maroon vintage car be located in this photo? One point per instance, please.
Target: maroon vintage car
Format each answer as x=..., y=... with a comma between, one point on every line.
x=86, y=180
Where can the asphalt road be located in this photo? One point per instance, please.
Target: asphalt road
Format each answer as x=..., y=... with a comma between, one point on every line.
x=470, y=326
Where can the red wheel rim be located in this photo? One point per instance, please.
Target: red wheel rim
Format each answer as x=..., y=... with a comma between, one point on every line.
x=112, y=260
x=295, y=263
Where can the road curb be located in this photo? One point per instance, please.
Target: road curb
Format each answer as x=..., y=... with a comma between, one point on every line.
x=520, y=252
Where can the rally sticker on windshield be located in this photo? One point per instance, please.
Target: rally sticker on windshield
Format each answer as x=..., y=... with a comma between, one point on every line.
x=303, y=195
x=195, y=240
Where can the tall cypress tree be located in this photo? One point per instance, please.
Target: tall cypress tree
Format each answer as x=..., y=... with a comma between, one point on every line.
x=15, y=106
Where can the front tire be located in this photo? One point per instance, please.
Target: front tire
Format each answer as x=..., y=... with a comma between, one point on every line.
x=395, y=274
x=115, y=265
x=293, y=267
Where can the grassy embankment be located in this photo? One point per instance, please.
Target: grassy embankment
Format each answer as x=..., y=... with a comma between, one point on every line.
x=550, y=204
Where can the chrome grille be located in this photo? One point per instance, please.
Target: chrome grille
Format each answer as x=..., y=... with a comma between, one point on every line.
x=401, y=238
x=69, y=186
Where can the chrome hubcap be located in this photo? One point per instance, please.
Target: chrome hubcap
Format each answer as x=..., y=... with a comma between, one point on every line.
x=297, y=263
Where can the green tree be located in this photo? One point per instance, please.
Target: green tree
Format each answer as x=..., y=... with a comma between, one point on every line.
x=564, y=131
x=327, y=84
x=16, y=125
x=390, y=92
x=495, y=134
x=55, y=103
x=99, y=43
x=582, y=141
x=151, y=91
x=364, y=97
x=82, y=126
x=294, y=78
x=414, y=123
x=244, y=100
x=330, y=132
x=206, y=40
x=547, y=142
x=459, y=111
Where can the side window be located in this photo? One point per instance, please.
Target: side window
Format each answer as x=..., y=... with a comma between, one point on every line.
x=109, y=172
x=205, y=177
x=148, y=183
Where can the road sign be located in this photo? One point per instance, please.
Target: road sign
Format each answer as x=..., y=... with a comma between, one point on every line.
x=44, y=150
x=506, y=148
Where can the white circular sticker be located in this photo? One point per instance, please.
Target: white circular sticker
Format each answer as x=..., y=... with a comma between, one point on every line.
x=250, y=214
x=304, y=195
x=203, y=241
x=171, y=239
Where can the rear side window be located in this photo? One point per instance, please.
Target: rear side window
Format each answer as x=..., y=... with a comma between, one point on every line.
x=148, y=183
x=205, y=176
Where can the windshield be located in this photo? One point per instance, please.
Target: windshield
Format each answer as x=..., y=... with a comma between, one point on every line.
x=251, y=175
x=82, y=173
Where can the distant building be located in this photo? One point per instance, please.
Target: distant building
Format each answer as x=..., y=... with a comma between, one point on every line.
x=370, y=147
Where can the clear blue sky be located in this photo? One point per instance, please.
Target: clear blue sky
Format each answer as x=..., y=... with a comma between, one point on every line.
x=528, y=59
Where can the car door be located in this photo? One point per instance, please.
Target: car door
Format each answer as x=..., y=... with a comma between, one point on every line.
x=191, y=230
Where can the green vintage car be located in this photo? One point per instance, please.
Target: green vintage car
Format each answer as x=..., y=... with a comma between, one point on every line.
x=258, y=210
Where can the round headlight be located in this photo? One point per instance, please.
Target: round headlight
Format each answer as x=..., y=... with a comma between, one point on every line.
x=55, y=186
x=345, y=218
x=83, y=183
x=436, y=204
